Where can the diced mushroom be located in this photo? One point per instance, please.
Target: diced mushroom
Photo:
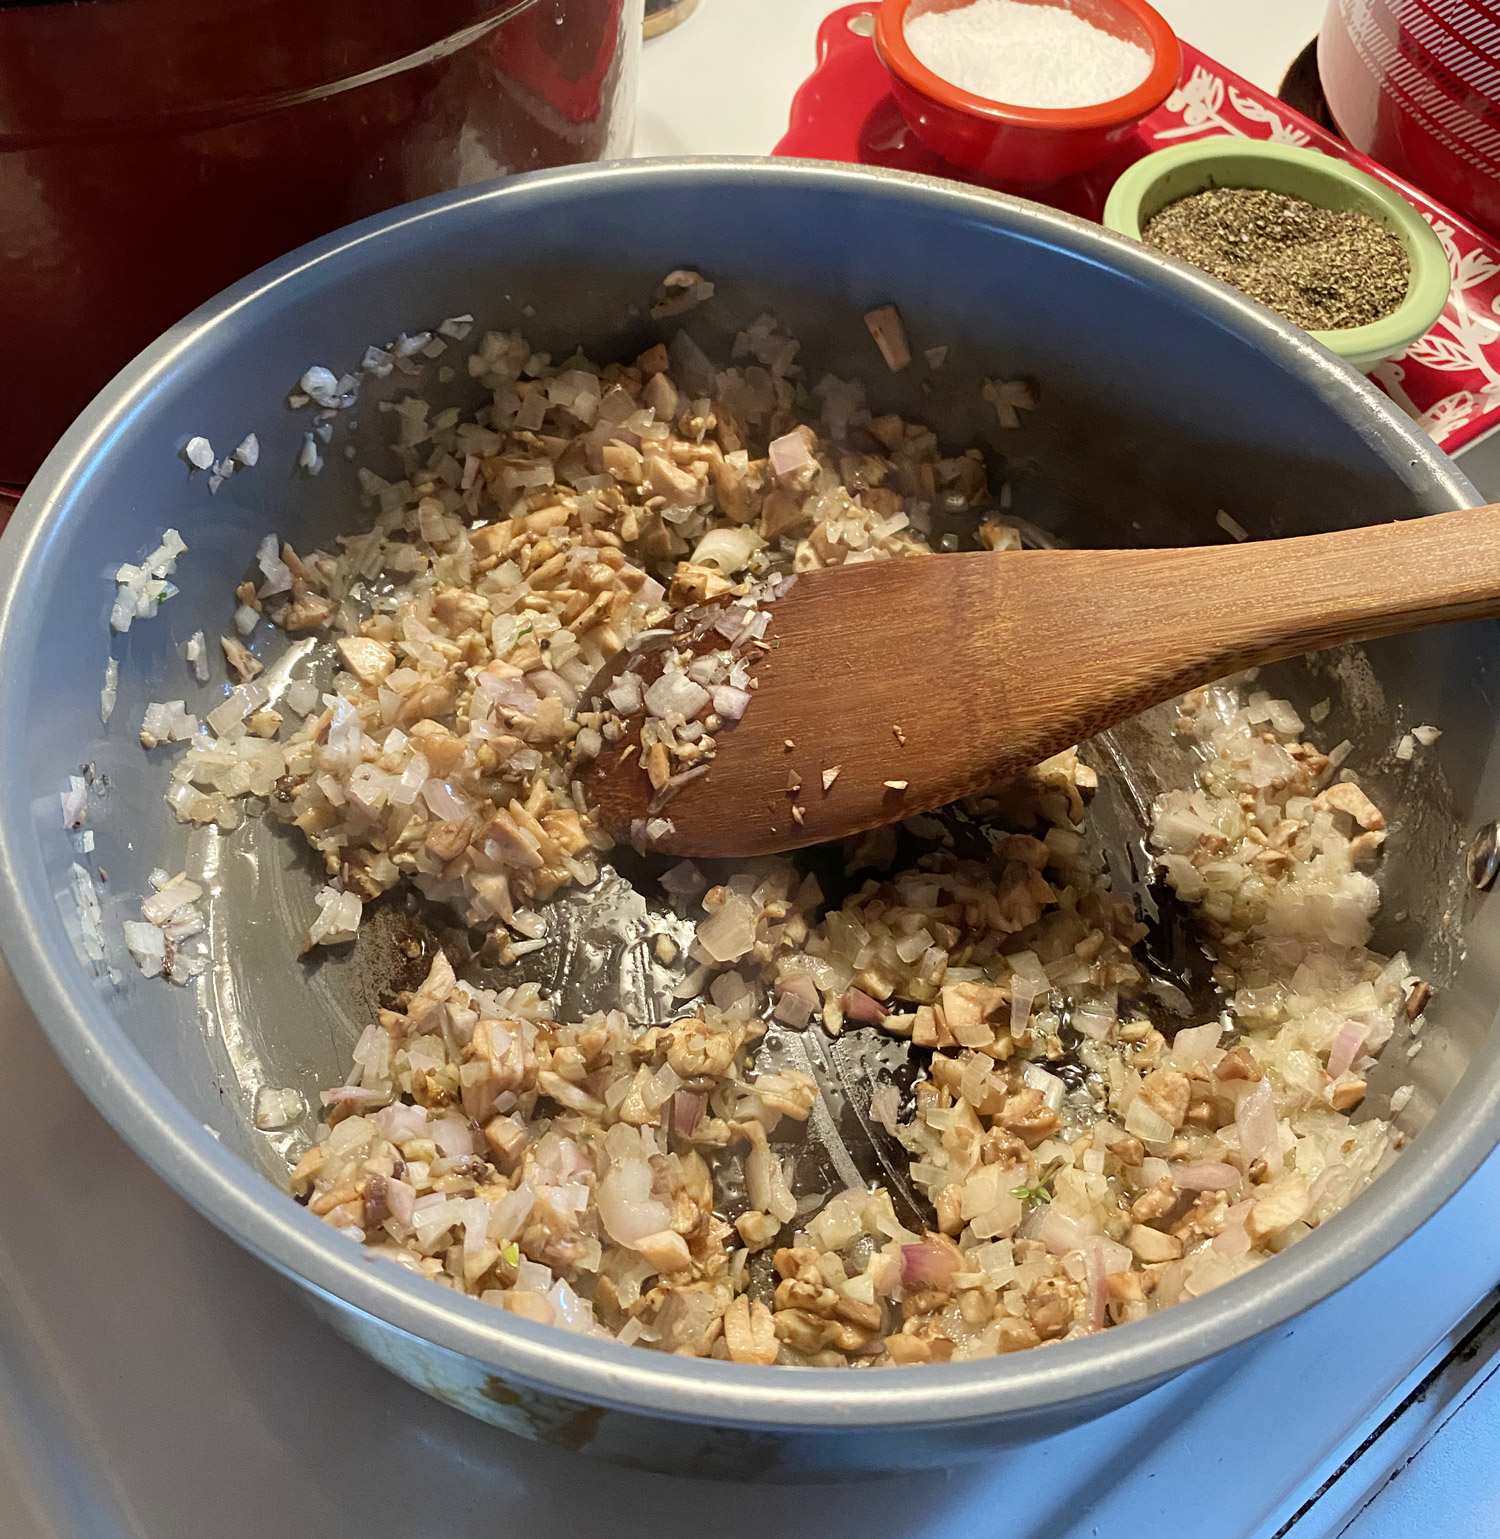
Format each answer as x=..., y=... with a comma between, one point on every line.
x=369, y=661
x=1150, y=1245
x=1167, y=1093
x=1347, y=797
x=240, y=658
x=750, y=1331
x=306, y=612
x=667, y=1251
x=890, y=336
x=1280, y=1204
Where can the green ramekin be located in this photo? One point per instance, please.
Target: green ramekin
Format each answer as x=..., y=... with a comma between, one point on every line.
x=1226, y=160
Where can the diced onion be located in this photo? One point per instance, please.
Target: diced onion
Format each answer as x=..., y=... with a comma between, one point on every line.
x=728, y=934
x=1146, y=1123
x=675, y=693
x=626, y=1206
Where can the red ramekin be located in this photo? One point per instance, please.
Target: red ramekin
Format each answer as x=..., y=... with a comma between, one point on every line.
x=1025, y=146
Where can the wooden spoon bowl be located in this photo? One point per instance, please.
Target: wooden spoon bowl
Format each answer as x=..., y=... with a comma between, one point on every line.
x=923, y=680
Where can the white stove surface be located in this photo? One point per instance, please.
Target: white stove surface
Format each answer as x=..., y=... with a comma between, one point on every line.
x=157, y=1383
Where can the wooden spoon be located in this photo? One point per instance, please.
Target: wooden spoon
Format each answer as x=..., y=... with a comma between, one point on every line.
x=926, y=679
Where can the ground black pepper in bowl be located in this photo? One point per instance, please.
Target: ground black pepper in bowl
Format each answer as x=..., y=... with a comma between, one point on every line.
x=1323, y=269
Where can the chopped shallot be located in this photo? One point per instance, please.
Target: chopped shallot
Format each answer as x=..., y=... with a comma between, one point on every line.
x=142, y=589
x=110, y=693
x=859, y=1006
x=1205, y=1176
x=1256, y=1120
x=168, y=722
x=276, y=1109
x=789, y=454
x=929, y=1265
x=1347, y=1044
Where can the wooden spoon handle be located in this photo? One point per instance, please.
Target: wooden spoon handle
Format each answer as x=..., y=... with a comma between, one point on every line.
x=1278, y=598
x=1109, y=633
x=1178, y=618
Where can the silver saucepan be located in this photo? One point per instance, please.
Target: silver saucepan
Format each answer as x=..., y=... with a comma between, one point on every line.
x=1165, y=397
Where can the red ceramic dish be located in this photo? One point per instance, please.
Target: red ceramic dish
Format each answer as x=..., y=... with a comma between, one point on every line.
x=1025, y=146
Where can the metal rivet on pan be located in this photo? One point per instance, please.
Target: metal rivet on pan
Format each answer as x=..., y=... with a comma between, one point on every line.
x=862, y=26
x=1484, y=857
